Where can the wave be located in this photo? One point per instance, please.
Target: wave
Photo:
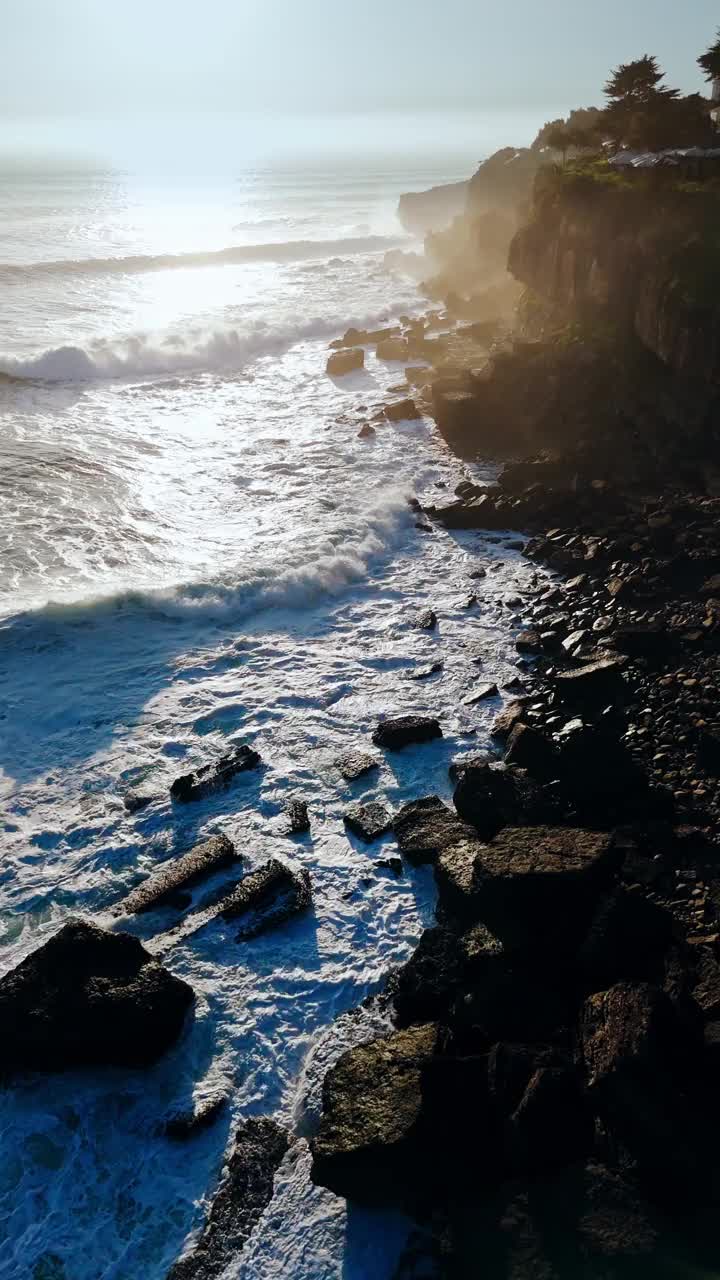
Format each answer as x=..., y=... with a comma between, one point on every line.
x=197, y=350
x=235, y=255
x=337, y=560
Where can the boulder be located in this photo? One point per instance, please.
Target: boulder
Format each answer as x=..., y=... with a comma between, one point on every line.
x=594, y=684
x=455, y=879
x=368, y=821
x=425, y=987
x=345, y=361
x=89, y=998
x=392, y=349
x=182, y=1125
x=368, y=1146
x=402, y=411
x=537, y=885
x=209, y=778
x=528, y=642
x=551, y=1125
x=634, y=1052
x=366, y=432
x=355, y=764
x=492, y=795
x=427, y=620
x=424, y=673
x=505, y=721
x=627, y=938
x=401, y=731
x=245, y=1191
x=177, y=876
x=485, y=690
x=528, y=748
x=267, y=897
x=601, y=781
x=423, y=828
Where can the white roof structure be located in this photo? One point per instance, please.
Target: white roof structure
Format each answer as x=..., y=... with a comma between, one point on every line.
x=660, y=159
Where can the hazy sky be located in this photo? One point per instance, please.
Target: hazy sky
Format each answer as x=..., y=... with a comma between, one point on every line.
x=89, y=57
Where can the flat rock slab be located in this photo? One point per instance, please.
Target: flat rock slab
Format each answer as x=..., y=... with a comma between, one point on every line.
x=482, y=692
x=355, y=764
x=539, y=881
x=178, y=875
x=215, y=776
x=425, y=827
x=405, y=730
x=243, y=1194
x=89, y=997
x=267, y=897
x=593, y=683
x=368, y=821
x=367, y=1145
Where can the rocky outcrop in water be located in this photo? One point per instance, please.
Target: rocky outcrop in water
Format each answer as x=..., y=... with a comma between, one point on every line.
x=89, y=998
x=246, y=1189
x=170, y=885
x=218, y=775
x=267, y=897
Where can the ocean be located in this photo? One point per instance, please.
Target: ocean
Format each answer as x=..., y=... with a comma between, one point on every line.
x=197, y=549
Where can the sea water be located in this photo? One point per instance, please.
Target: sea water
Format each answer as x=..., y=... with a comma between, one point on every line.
x=197, y=549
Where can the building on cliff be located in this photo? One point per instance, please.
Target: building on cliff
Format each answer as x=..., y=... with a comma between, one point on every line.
x=694, y=163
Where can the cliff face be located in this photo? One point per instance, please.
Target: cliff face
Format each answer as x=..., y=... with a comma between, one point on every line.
x=423, y=211
x=647, y=260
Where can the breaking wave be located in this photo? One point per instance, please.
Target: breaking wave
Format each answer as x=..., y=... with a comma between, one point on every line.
x=234, y=255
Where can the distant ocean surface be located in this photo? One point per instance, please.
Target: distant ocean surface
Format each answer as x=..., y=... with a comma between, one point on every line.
x=195, y=547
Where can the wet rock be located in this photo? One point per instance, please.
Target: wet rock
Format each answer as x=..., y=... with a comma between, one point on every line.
x=368, y=821
x=178, y=875
x=355, y=764
x=424, y=673
x=182, y=1125
x=138, y=798
x=267, y=897
x=427, y=620
x=215, y=776
x=423, y=828
x=484, y=691
x=392, y=349
x=366, y=432
x=345, y=361
x=368, y=1145
x=89, y=998
x=402, y=411
x=391, y=864
x=528, y=642
x=455, y=879
x=505, y=722
x=536, y=885
x=298, y=817
x=594, y=684
x=243, y=1194
x=402, y=731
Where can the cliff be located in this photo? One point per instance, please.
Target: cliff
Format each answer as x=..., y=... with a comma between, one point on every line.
x=423, y=211
x=643, y=256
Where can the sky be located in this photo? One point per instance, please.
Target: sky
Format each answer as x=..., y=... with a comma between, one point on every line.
x=163, y=68
x=84, y=57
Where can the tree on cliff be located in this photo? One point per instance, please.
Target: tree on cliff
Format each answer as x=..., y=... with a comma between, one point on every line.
x=645, y=115
x=709, y=62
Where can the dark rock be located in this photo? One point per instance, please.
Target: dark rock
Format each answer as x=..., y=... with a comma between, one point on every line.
x=627, y=938
x=404, y=730
x=246, y=1190
x=138, y=798
x=528, y=642
x=402, y=411
x=366, y=432
x=423, y=828
x=551, y=1125
x=368, y=821
x=391, y=864
x=299, y=820
x=267, y=897
x=424, y=989
x=595, y=683
x=368, y=1144
x=89, y=998
x=182, y=1125
x=632, y=1050
x=529, y=749
x=653, y=643
x=602, y=782
x=355, y=764
x=345, y=361
x=537, y=884
x=455, y=879
x=491, y=796
x=213, y=777
x=179, y=874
